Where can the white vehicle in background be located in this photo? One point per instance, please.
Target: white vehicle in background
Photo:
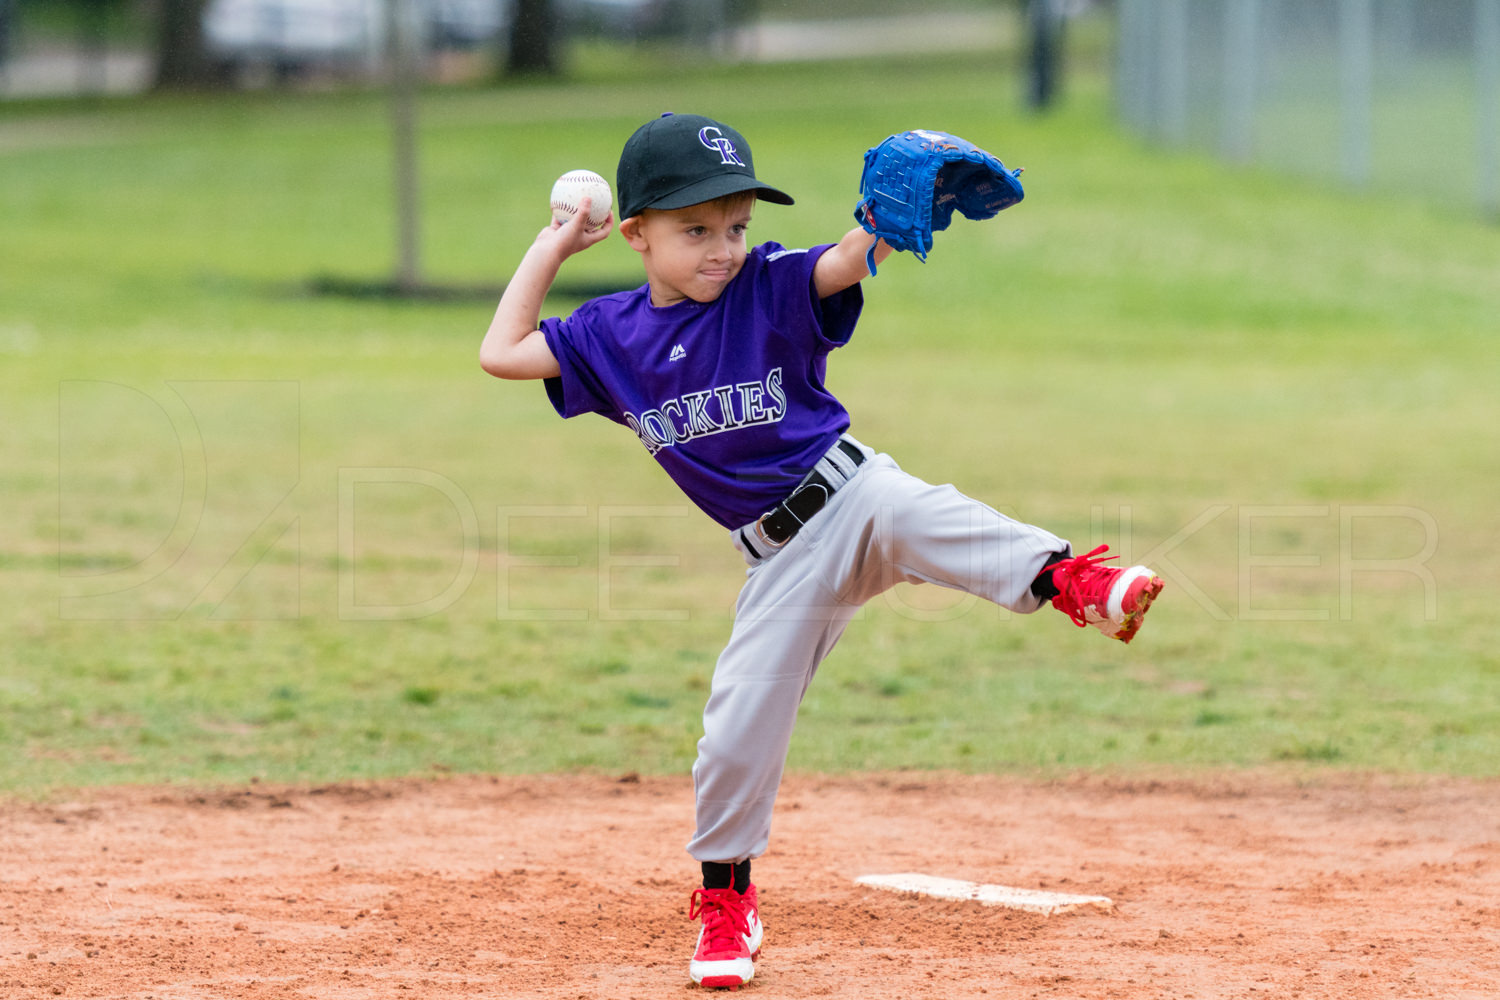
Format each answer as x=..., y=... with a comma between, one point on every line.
x=624, y=19
x=348, y=36
x=468, y=23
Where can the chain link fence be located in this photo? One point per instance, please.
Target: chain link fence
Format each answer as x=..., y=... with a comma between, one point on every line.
x=1377, y=94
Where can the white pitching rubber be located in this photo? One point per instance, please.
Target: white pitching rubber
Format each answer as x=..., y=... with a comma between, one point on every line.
x=1030, y=900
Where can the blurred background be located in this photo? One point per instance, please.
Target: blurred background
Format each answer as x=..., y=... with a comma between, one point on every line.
x=265, y=516
x=1391, y=94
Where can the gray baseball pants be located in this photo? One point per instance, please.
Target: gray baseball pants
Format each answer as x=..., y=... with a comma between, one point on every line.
x=881, y=527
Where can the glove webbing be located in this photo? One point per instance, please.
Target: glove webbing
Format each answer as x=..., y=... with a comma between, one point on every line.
x=913, y=181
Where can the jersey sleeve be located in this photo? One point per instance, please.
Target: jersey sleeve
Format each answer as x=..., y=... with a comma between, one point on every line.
x=578, y=390
x=839, y=312
x=832, y=319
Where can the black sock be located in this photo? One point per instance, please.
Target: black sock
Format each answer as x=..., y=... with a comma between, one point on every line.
x=722, y=875
x=1043, y=587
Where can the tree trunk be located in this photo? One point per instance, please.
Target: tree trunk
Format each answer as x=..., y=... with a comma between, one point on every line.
x=534, y=40
x=181, y=60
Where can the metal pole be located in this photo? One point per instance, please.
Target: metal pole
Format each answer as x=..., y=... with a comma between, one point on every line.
x=1132, y=65
x=1241, y=59
x=404, y=142
x=1487, y=82
x=1045, y=23
x=1172, y=123
x=1356, y=85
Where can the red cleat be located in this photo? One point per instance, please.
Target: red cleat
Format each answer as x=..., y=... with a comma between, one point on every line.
x=729, y=940
x=1112, y=600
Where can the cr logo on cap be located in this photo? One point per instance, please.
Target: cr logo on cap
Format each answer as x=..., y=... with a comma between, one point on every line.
x=712, y=138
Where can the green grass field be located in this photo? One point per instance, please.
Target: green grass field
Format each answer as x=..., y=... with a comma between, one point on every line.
x=254, y=532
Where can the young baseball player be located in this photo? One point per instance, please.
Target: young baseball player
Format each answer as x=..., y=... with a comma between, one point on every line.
x=717, y=364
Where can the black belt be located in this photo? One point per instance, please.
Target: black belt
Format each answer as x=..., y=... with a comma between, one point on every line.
x=779, y=524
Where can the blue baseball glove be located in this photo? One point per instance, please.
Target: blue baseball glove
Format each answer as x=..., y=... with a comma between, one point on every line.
x=913, y=182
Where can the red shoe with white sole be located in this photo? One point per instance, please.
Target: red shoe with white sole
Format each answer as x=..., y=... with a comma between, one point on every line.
x=729, y=940
x=1112, y=600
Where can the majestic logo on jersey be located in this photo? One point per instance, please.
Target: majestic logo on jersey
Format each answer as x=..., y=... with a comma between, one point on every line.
x=712, y=411
x=678, y=353
x=720, y=143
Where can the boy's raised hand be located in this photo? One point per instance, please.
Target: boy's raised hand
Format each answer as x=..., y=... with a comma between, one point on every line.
x=570, y=235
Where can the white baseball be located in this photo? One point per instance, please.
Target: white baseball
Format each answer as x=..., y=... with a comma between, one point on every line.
x=569, y=191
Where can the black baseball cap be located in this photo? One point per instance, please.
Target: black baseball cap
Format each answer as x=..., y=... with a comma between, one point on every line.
x=679, y=160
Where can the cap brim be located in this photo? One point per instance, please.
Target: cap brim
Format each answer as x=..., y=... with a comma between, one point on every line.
x=717, y=187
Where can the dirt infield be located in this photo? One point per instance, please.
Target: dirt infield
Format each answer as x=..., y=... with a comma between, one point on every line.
x=458, y=887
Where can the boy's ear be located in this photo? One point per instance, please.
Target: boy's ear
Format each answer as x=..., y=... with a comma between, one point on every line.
x=631, y=229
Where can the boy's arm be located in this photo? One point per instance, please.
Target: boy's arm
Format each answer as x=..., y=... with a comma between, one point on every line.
x=513, y=346
x=844, y=265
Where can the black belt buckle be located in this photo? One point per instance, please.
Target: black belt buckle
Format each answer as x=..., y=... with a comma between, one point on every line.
x=781, y=523
x=778, y=525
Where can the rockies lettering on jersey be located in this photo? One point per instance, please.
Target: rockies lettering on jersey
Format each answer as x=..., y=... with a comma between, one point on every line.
x=681, y=377
x=710, y=411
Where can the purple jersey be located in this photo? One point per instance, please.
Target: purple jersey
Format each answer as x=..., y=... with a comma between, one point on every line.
x=727, y=395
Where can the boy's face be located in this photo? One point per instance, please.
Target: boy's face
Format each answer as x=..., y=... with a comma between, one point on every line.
x=693, y=252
